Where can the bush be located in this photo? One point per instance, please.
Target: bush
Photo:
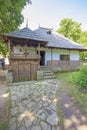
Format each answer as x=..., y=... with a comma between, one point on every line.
x=82, y=78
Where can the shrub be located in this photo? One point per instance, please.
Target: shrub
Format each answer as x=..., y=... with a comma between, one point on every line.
x=82, y=78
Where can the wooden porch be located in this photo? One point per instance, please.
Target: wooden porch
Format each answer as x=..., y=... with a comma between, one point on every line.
x=24, y=66
x=26, y=56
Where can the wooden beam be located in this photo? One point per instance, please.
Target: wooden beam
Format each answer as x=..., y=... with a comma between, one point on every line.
x=39, y=48
x=9, y=46
x=25, y=48
x=51, y=54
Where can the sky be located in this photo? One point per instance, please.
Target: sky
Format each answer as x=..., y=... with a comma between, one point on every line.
x=49, y=13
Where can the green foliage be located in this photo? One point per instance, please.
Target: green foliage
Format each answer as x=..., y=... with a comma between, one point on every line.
x=3, y=49
x=83, y=77
x=83, y=38
x=10, y=14
x=79, y=77
x=10, y=17
x=70, y=29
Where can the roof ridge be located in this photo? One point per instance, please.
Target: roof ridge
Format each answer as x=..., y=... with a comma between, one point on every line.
x=45, y=28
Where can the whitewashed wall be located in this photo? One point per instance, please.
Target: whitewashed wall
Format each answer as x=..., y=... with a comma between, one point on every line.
x=30, y=50
x=74, y=55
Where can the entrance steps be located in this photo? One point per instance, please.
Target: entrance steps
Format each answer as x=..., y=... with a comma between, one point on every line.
x=47, y=72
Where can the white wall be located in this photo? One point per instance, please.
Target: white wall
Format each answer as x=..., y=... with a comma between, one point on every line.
x=74, y=55
x=30, y=50
x=47, y=57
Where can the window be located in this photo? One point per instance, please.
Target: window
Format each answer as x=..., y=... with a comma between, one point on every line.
x=64, y=57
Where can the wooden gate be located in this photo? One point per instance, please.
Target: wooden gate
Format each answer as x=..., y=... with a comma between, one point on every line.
x=24, y=71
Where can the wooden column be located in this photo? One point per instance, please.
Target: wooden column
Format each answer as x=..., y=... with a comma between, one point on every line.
x=69, y=58
x=9, y=47
x=35, y=50
x=25, y=49
x=69, y=55
x=39, y=49
x=51, y=56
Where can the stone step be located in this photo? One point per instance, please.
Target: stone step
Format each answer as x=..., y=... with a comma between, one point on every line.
x=47, y=72
x=45, y=69
x=51, y=73
x=49, y=77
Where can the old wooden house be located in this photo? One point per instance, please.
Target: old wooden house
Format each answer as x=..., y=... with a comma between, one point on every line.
x=28, y=50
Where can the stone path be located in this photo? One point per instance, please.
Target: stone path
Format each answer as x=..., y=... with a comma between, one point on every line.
x=34, y=105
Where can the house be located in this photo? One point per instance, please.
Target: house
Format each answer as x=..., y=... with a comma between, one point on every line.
x=28, y=50
x=59, y=52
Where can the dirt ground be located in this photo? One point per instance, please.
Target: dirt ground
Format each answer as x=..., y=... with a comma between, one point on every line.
x=3, y=101
x=73, y=119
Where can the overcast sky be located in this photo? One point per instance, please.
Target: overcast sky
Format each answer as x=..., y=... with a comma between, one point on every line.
x=49, y=13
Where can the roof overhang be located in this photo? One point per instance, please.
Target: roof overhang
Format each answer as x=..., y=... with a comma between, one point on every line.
x=22, y=41
x=73, y=49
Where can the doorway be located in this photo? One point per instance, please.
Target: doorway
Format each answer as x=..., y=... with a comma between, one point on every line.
x=42, y=59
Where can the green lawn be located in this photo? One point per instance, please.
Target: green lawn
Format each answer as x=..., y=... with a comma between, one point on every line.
x=68, y=76
x=71, y=81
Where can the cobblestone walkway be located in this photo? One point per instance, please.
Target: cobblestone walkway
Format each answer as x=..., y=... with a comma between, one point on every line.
x=33, y=105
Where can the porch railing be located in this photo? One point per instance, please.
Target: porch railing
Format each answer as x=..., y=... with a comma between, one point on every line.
x=24, y=56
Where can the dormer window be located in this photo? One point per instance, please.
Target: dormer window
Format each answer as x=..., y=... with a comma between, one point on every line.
x=49, y=32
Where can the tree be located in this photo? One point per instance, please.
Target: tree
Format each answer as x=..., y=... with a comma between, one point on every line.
x=83, y=38
x=10, y=16
x=70, y=29
x=83, y=41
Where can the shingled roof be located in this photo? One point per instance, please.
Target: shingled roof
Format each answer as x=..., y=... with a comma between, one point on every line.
x=56, y=40
x=25, y=33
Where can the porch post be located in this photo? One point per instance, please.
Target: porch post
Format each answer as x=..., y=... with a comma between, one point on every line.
x=25, y=49
x=39, y=53
x=39, y=49
x=35, y=50
x=69, y=58
x=51, y=56
x=9, y=47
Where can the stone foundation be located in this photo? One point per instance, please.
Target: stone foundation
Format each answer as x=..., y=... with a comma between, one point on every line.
x=39, y=75
x=9, y=77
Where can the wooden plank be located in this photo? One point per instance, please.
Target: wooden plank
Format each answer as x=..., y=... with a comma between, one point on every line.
x=24, y=71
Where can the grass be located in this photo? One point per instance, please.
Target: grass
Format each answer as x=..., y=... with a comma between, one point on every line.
x=68, y=76
x=59, y=111
x=70, y=80
x=4, y=124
